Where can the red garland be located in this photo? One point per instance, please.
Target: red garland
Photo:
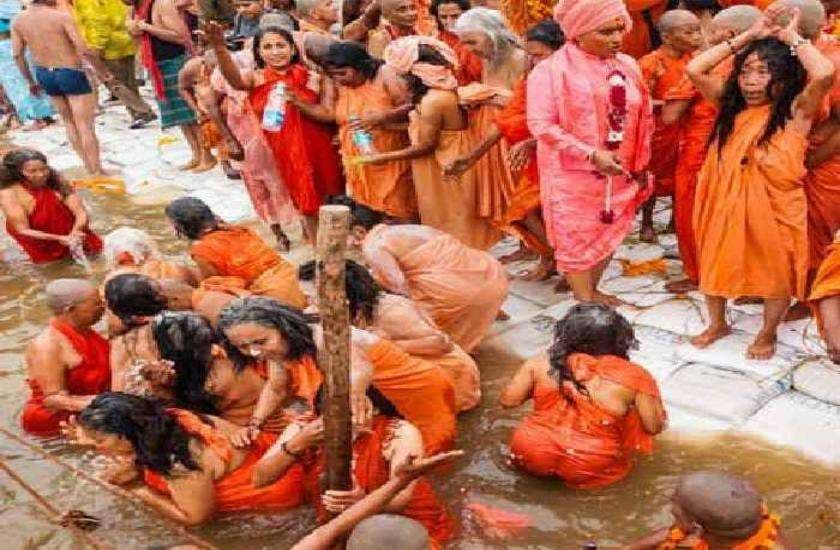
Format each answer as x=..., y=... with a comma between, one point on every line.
x=616, y=118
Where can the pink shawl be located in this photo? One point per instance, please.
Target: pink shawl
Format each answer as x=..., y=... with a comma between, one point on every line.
x=577, y=17
x=402, y=54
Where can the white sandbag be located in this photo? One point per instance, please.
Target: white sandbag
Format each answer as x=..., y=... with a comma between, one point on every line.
x=657, y=352
x=523, y=340
x=638, y=253
x=680, y=316
x=802, y=422
x=720, y=394
x=539, y=292
x=612, y=271
x=800, y=335
x=621, y=284
x=648, y=296
x=232, y=205
x=730, y=353
x=819, y=379
x=686, y=425
x=518, y=309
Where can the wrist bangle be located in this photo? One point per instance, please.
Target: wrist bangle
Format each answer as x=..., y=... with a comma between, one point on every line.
x=285, y=448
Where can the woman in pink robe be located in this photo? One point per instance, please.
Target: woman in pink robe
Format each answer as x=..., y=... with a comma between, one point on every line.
x=568, y=106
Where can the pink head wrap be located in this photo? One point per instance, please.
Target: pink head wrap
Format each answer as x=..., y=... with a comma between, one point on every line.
x=577, y=17
x=402, y=54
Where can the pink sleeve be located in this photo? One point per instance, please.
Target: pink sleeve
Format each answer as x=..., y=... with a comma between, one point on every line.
x=543, y=120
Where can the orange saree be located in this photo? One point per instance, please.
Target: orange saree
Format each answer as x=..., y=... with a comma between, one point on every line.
x=570, y=437
x=637, y=41
x=827, y=282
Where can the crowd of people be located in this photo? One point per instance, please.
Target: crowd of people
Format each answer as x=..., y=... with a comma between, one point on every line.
x=443, y=127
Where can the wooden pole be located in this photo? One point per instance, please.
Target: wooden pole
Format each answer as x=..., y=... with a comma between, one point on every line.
x=334, y=357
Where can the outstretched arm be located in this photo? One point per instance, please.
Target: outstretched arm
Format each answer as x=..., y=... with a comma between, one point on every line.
x=214, y=33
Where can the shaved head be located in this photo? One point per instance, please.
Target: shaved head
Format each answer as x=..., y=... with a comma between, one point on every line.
x=723, y=504
x=737, y=18
x=63, y=294
x=387, y=532
x=812, y=17
x=672, y=19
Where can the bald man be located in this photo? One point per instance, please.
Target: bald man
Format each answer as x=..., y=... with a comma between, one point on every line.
x=67, y=363
x=717, y=510
x=316, y=16
x=696, y=116
x=387, y=20
x=663, y=70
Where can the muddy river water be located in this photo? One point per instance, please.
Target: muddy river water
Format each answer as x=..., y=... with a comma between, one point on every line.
x=805, y=494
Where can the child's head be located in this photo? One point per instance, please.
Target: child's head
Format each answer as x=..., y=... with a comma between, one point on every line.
x=722, y=505
x=680, y=29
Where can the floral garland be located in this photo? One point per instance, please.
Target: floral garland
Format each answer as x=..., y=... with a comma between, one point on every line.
x=616, y=119
x=764, y=539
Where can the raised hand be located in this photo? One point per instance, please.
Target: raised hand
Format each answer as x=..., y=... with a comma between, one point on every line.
x=415, y=467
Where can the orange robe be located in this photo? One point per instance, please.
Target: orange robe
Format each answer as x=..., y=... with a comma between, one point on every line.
x=459, y=287
x=750, y=214
x=760, y=4
x=827, y=282
x=569, y=436
x=420, y=390
x=385, y=187
x=822, y=185
x=662, y=73
x=765, y=538
x=91, y=376
x=235, y=492
x=371, y=471
x=469, y=65
x=512, y=122
x=637, y=42
x=244, y=261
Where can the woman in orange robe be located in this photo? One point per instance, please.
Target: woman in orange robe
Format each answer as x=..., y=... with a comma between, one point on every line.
x=231, y=258
x=185, y=482
x=381, y=444
x=750, y=213
x=303, y=148
x=825, y=299
x=43, y=213
x=371, y=97
x=593, y=409
x=644, y=14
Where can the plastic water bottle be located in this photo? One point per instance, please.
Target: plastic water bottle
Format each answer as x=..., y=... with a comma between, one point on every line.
x=275, y=109
x=362, y=139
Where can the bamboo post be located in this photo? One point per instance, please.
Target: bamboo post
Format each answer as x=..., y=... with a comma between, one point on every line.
x=334, y=356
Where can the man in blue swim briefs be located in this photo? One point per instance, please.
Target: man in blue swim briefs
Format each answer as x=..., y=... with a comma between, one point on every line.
x=57, y=48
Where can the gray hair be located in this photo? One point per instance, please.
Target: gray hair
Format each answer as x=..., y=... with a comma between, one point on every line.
x=738, y=18
x=63, y=294
x=304, y=7
x=491, y=23
x=277, y=19
x=134, y=242
x=812, y=16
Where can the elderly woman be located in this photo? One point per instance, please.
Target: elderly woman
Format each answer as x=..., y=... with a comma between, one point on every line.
x=504, y=62
x=130, y=250
x=591, y=114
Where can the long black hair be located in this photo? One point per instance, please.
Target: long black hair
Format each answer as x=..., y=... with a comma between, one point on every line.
x=12, y=171
x=787, y=80
x=191, y=217
x=593, y=329
x=287, y=36
x=186, y=339
x=354, y=55
x=292, y=324
x=362, y=290
x=546, y=32
x=159, y=442
x=132, y=295
x=360, y=215
x=426, y=54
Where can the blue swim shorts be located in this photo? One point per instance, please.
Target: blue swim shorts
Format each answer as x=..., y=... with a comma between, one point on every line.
x=62, y=81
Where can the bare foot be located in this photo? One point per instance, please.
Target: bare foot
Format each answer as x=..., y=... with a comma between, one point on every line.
x=798, y=312
x=710, y=336
x=518, y=256
x=606, y=299
x=205, y=166
x=190, y=165
x=542, y=272
x=502, y=315
x=763, y=347
x=562, y=286
x=648, y=235
x=682, y=286
x=747, y=300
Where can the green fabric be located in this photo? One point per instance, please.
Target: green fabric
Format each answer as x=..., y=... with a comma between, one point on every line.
x=103, y=26
x=174, y=111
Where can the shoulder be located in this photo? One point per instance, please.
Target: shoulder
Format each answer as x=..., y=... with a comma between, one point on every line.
x=439, y=99
x=48, y=344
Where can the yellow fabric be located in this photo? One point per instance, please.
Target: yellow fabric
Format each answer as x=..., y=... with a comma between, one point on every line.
x=102, y=24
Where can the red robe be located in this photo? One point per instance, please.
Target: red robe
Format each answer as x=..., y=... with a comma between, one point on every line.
x=90, y=377
x=304, y=151
x=469, y=65
x=569, y=436
x=51, y=215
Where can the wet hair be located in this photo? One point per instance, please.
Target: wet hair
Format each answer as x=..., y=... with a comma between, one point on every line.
x=546, y=32
x=360, y=215
x=701, y=5
x=426, y=54
x=353, y=55
x=133, y=295
x=593, y=329
x=159, y=442
x=12, y=171
x=292, y=324
x=787, y=80
x=287, y=36
x=436, y=4
x=186, y=339
x=362, y=290
x=382, y=404
x=191, y=217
